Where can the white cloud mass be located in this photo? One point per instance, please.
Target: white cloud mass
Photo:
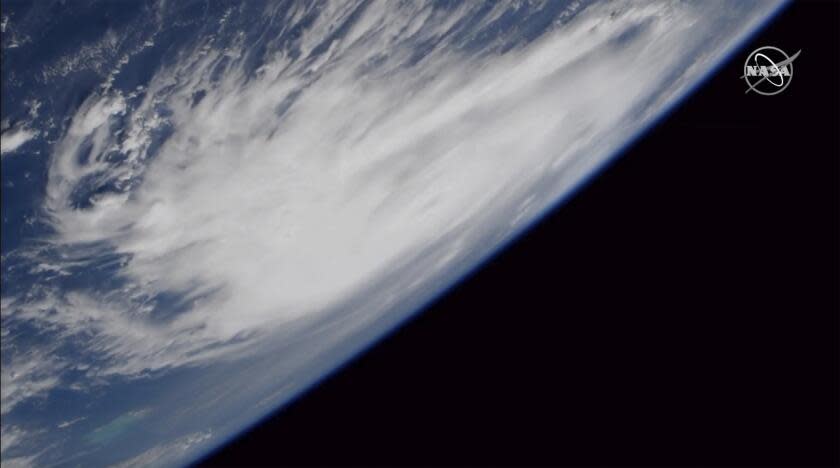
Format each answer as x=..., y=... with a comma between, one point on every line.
x=14, y=138
x=259, y=219
x=234, y=203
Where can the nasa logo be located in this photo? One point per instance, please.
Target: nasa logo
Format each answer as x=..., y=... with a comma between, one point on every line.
x=768, y=70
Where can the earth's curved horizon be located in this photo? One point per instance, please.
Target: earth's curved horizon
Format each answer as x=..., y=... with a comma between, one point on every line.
x=208, y=207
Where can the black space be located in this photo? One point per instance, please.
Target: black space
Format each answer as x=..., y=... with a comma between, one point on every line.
x=682, y=309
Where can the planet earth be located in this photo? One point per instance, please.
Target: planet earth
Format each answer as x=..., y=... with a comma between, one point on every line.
x=208, y=206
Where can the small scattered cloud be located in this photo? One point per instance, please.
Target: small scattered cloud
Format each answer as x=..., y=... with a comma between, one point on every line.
x=14, y=138
x=69, y=422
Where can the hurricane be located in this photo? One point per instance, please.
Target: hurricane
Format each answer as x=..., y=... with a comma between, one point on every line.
x=209, y=206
